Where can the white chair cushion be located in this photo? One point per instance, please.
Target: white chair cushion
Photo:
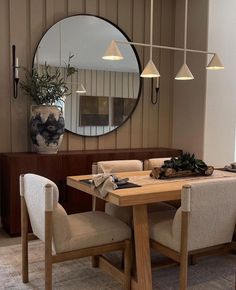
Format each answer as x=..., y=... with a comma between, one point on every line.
x=159, y=206
x=212, y=217
x=95, y=228
x=149, y=164
x=122, y=213
x=126, y=213
x=160, y=226
x=121, y=165
x=61, y=229
x=34, y=187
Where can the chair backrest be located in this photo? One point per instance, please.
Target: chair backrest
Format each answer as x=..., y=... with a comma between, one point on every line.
x=212, y=218
x=149, y=164
x=33, y=188
x=120, y=165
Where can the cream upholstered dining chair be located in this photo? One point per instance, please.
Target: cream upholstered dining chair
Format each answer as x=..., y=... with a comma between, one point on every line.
x=125, y=213
x=120, y=165
x=67, y=236
x=205, y=220
x=149, y=164
x=116, y=166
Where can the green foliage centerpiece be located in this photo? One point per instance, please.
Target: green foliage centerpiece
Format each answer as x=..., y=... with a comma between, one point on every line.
x=46, y=86
x=182, y=166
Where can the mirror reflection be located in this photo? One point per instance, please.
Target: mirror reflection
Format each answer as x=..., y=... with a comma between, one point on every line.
x=103, y=93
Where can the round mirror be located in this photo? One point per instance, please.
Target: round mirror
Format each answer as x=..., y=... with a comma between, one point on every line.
x=104, y=93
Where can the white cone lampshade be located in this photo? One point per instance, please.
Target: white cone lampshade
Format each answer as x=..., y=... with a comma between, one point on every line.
x=150, y=71
x=184, y=73
x=113, y=52
x=81, y=89
x=215, y=63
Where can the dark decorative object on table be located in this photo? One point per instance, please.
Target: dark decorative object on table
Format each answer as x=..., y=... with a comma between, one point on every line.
x=184, y=165
x=48, y=90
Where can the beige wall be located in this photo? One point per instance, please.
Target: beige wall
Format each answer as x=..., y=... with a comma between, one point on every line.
x=23, y=23
x=220, y=129
x=204, y=118
x=189, y=96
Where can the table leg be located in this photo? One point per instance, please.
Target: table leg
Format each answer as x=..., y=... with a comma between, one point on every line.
x=142, y=247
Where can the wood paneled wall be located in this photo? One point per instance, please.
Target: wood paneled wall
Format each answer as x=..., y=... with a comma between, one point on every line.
x=23, y=22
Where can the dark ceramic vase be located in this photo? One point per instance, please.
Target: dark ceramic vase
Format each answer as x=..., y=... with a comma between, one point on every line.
x=47, y=126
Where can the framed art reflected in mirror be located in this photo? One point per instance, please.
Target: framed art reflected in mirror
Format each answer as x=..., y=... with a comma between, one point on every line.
x=112, y=87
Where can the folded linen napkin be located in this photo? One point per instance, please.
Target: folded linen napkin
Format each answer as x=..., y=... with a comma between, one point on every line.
x=104, y=183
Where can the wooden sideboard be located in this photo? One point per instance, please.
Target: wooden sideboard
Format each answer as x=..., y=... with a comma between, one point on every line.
x=57, y=167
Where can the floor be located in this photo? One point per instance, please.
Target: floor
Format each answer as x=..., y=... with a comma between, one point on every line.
x=210, y=273
x=6, y=240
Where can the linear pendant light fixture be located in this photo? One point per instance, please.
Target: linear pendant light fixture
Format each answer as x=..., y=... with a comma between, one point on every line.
x=215, y=63
x=150, y=70
x=184, y=73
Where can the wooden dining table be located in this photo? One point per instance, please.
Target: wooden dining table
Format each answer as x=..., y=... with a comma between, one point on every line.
x=150, y=191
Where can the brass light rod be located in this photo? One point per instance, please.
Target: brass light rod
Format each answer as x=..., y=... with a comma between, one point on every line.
x=164, y=47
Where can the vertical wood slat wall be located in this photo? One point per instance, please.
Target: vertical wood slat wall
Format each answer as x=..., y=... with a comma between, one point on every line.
x=100, y=84
x=24, y=22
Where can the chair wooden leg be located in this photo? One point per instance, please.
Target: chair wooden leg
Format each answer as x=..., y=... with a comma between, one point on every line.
x=94, y=203
x=127, y=265
x=48, y=273
x=184, y=251
x=193, y=259
x=24, y=241
x=133, y=259
x=183, y=271
x=48, y=250
x=95, y=261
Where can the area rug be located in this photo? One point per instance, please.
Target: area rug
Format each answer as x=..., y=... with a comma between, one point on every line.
x=210, y=273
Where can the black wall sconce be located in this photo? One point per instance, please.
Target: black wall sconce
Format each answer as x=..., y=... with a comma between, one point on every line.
x=15, y=70
x=155, y=91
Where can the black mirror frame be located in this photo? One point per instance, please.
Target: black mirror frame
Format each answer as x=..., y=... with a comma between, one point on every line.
x=137, y=58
